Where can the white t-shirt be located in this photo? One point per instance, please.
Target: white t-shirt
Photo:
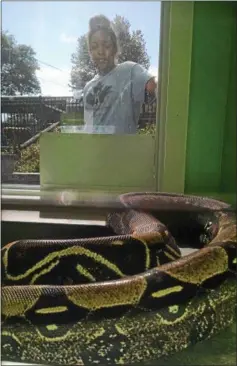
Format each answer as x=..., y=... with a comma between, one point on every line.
x=112, y=102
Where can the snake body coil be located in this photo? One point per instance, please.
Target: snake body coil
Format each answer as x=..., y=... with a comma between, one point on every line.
x=125, y=298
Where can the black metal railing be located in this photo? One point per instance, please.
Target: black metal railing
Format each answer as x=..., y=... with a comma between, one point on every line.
x=24, y=117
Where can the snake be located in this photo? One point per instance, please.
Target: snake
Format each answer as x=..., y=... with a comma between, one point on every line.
x=127, y=297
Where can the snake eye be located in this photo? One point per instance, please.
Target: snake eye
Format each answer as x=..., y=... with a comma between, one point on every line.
x=173, y=312
x=206, y=237
x=208, y=225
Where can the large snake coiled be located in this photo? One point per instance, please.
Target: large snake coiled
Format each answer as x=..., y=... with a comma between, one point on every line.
x=124, y=298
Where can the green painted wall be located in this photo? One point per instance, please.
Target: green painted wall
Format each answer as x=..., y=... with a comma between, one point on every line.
x=228, y=177
x=211, y=138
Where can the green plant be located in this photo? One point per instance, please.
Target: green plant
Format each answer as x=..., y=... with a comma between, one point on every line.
x=29, y=159
x=18, y=67
x=8, y=150
x=148, y=130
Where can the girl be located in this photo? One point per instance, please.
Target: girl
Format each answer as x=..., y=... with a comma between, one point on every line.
x=113, y=98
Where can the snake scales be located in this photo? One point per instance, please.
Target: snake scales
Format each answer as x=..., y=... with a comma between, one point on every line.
x=124, y=298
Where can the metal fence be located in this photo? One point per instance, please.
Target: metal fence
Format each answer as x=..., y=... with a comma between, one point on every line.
x=24, y=117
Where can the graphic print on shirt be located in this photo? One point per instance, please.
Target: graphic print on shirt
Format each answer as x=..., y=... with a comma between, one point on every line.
x=96, y=96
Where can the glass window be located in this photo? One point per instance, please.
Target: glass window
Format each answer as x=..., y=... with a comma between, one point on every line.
x=66, y=75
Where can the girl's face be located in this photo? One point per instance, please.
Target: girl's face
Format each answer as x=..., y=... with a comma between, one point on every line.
x=102, y=51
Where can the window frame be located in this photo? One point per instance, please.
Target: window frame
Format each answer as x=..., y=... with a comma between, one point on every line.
x=174, y=79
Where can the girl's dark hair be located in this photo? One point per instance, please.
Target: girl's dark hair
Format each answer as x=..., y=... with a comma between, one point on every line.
x=100, y=22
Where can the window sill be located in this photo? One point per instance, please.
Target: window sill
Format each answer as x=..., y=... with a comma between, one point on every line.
x=36, y=217
x=24, y=204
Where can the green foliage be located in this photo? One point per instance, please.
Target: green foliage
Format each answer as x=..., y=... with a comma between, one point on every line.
x=83, y=69
x=132, y=47
x=15, y=136
x=19, y=65
x=8, y=150
x=29, y=159
x=148, y=130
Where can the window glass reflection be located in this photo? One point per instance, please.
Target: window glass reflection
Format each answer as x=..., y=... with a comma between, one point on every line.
x=75, y=72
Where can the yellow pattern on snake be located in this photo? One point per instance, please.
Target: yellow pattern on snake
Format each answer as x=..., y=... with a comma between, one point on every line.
x=126, y=298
